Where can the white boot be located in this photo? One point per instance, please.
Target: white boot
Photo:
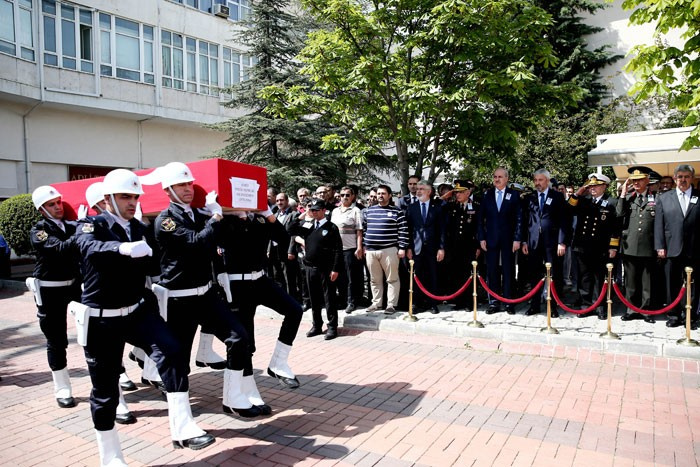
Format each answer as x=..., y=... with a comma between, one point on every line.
x=206, y=355
x=62, y=389
x=183, y=429
x=235, y=398
x=250, y=389
x=110, y=449
x=151, y=376
x=138, y=355
x=279, y=368
x=124, y=416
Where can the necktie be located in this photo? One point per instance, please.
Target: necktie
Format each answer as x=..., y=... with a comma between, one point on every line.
x=423, y=211
x=541, y=201
x=684, y=203
x=499, y=199
x=413, y=199
x=190, y=214
x=318, y=224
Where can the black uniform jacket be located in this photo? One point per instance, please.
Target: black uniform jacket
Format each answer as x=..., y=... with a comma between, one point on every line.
x=323, y=246
x=56, y=256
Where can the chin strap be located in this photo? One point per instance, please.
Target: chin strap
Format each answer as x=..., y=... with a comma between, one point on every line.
x=177, y=198
x=116, y=208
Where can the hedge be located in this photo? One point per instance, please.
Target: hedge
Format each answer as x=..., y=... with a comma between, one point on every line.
x=17, y=216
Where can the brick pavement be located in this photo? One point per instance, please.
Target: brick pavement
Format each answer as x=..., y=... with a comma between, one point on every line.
x=376, y=398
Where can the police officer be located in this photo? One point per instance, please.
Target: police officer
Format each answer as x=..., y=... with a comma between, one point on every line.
x=243, y=239
x=637, y=211
x=596, y=238
x=117, y=308
x=187, y=247
x=55, y=283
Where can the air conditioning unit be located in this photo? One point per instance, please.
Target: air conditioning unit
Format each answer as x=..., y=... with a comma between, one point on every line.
x=221, y=10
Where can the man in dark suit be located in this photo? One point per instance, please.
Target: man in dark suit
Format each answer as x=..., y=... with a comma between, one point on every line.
x=286, y=269
x=675, y=238
x=499, y=231
x=412, y=195
x=426, y=232
x=548, y=234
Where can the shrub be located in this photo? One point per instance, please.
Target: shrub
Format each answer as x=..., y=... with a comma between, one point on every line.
x=17, y=216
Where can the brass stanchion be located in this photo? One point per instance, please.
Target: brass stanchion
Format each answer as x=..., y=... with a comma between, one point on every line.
x=687, y=341
x=549, y=329
x=609, y=334
x=410, y=316
x=475, y=323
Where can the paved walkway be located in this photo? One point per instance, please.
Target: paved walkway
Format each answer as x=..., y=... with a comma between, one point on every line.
x=386, y=398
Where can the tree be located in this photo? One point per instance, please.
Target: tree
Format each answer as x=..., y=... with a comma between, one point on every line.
x=422, y=82
x=17, y=216
x=662, y=69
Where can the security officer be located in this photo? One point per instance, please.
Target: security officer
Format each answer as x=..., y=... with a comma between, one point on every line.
x=596, y=238
x=187, y=247
x=243, y=239
x=117, y=308
x=323, y=258
x=636, y=211
x=55, y=283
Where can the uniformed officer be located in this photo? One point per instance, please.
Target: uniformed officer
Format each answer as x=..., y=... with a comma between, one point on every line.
x=596, y=238
x=187, y=247
x=323, y=258
x=636, y=211
x=55, y=283
x=117, y=308
x=244, y=239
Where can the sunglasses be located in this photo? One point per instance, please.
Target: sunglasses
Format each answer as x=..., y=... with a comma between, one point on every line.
x=345, y=195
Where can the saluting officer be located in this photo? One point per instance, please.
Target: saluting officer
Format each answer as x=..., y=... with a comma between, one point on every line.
x=596, y=239
x=56, y=282
x=117, y=308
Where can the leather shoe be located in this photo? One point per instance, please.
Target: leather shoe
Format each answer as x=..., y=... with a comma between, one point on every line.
x=350, y=308
x=630, y=316
x=125, y=418
x=156, y=384
x=213, y=365
x=128, y=385
x=554, y=313
x=674, y=322
x=532, y=311
x=132, y=357
x=602, y=314
x=330, y=334
x=649, y=319
x=314, y=332
x=390, y=310
x=195, y=443
x=510, y=309
x=434, y=310
x=250, y=412
x=493, y=309
x=291, y=383
x=65, y=402
x=264, y=409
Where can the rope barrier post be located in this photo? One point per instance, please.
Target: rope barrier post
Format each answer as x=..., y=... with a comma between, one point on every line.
x=410, y=316
x=687, y=341
x=549, y=329
x=475, y=323
x=609, y=334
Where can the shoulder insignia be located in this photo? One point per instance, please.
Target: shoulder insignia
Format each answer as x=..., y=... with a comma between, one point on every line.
x=88, y=228
x=168, y=224
x=41, y=235
x=262, y=220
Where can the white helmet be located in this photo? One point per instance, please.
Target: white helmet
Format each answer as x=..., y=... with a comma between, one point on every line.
x=94, y=194
x=174, y=173
x=43, y=194
x=121, y=181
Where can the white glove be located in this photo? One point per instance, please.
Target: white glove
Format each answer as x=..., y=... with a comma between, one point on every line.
x=138, y=215
x=211, y=204
x=135, y=249
x=82, y=212
x=266, y=213
x=241, y=214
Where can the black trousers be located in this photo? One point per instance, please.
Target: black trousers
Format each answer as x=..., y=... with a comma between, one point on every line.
x=52, y=322
x=247, y=295
x=459, y=269
x=350, y=282
x=591, y=275
x=677, y=275
x=536, y=271
x=425, y=267
x=214, y=315
x=322, y=292
x=500, y=277
x=143, y=328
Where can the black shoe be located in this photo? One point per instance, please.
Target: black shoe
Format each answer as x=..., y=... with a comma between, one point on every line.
x=510, y=309
x=330, y=334
x=291, y=383
x=434, y=310
x=213, y=365
x=693, y=325
x=350, y=308
x=649, y=319
x=674, y=322
x=314, y=332
x=264, y=409
x=156, y=384
x=532, y=311
x=196, y=443
x=65, y=402
x=132, y=357
x=554, y=313
x=493, y=309
x=251, y=412
x=630, y=316
x=602, y=314
x=125, y=418
x=128, y=385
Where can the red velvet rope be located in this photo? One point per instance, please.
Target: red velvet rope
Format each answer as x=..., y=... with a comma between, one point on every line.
x=511, y=301
x=443, y=297
x=649, y=312
x=597, y=303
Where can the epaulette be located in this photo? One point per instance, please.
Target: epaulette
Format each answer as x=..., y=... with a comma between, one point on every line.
x=615, y=242
x=573, y=200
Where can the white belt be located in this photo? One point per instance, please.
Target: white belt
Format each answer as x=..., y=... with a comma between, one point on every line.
x=246, y=277
x=43, y=283
x=189, y=292
x=113, y=313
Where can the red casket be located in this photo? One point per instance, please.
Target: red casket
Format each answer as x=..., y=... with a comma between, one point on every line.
x=239, y=186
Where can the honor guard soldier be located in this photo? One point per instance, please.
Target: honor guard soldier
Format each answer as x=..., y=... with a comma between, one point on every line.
x=117, y=308
x=55, y=283
x=185, y=293
x=596, y=238
x=244, y=239
x=461, y=245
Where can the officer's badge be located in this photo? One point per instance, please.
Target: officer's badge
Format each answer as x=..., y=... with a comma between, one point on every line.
x=324, y=233
x=603, y=217
x=168, y=224
x=41, y=235
x=262, y=220
x=87, y=228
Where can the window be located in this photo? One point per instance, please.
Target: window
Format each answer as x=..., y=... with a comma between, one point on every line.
x=236, y=66
x=126, y=49
x=173, y=60
x=68, y=40
x=239, y=10
x=208, y=67
x=190, y=64
x=16, y=33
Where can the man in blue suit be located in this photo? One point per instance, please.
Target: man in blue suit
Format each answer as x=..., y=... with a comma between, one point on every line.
x=426, y=232
x=548, y=234
x=499, y=231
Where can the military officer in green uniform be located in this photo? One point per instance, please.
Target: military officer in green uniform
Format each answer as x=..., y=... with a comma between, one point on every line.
x=636, y=211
